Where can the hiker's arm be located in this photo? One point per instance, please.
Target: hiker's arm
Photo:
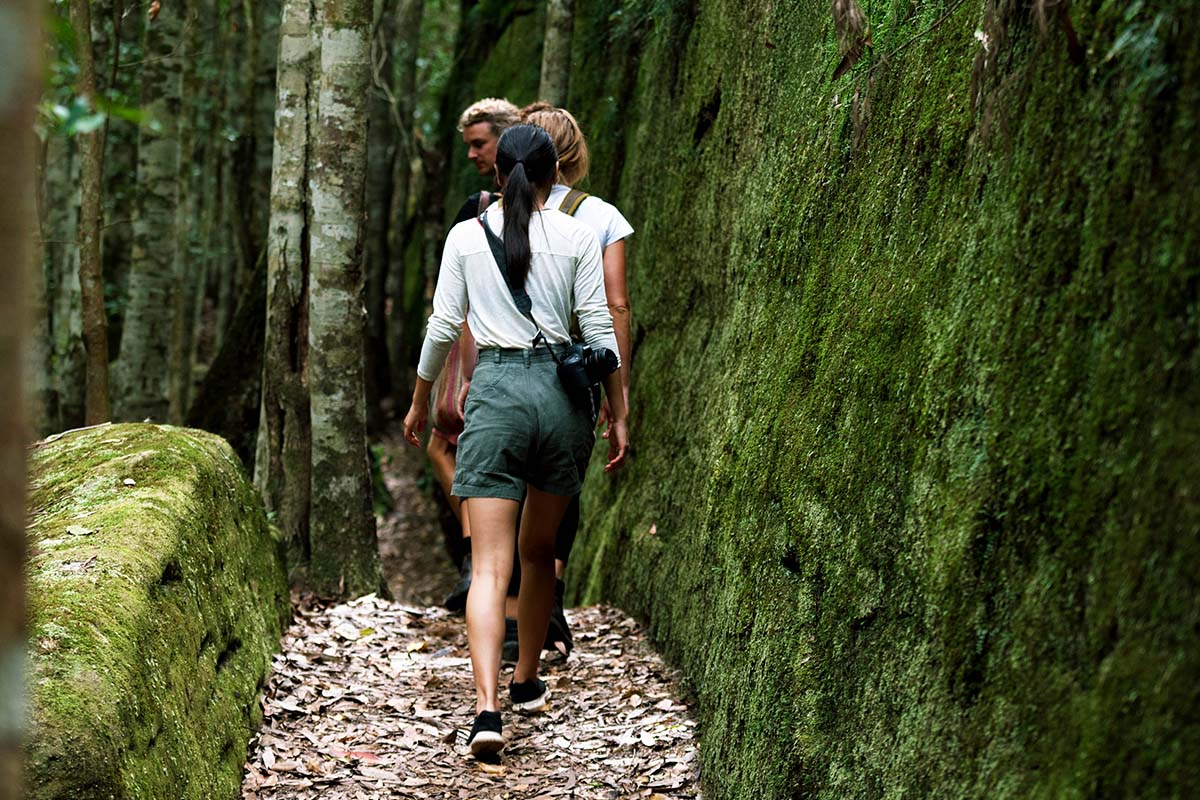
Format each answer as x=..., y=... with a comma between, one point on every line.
x=617, y=292
x=468, y=355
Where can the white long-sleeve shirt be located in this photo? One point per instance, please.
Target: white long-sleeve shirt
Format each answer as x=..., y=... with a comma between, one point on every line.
x=565, y=276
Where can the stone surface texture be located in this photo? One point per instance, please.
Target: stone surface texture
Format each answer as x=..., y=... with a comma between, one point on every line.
x=157, y=596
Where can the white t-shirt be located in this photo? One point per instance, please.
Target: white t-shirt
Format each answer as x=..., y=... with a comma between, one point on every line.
x=565, y=277
x=602, y=217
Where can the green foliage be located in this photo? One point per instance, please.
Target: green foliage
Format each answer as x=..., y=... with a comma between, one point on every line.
x=62, y=111
x=438, y=25
x=913, y=500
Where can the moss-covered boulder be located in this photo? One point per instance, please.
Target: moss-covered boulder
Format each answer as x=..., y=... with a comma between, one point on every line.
x=157, y=596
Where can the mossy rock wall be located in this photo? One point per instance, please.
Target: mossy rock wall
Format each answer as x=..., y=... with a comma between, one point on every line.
x=915, y=494
x=157, y=596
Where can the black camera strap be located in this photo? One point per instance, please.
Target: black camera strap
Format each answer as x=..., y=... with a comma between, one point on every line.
x=520, y=297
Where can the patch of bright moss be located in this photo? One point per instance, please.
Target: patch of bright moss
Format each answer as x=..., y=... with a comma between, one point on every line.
x=156, y=597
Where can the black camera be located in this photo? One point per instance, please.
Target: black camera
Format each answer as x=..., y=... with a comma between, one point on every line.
x=580, y=368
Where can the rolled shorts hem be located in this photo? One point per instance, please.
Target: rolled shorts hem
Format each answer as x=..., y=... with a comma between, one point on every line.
x=465, y=490
x=559, y=490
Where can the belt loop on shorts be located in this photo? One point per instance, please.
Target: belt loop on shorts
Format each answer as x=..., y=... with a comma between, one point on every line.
x=497, y=356
x=527, y=356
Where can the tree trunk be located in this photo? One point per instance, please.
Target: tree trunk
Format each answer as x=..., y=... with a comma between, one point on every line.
x=120, y=175
x=233, y=227
x=18, y=63
x=179, y=367
x=556, y=51
x=381, y=151
x=42, y=398
x=91, y=275
x=227, y=400
x=345, y=558
x=283, y=463
x=401, y=229
x=61, y=253
x=44, y=402
x=150, y=310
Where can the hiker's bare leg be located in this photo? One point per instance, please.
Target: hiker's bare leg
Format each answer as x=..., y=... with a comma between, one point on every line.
x=539, y=525
x=441, y=458
x=493, y=528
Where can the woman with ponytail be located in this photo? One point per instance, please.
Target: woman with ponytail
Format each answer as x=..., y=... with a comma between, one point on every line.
x=523, y=436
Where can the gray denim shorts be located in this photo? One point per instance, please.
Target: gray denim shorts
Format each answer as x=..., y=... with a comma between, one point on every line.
x=520, y=430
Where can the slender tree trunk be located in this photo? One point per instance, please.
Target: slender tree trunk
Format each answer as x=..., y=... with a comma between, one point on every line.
x=283, y=463
x=43, y=400
x=400, y=229
x=91, y=275
x=345, y=557
x=381, y=151
x=179, y=367
x=264, y=119
x=17, y=96
x=232, y=241
x=143, y=370
x=66, y=365
x=556, y=51
x=120, y=178
x=40, y=349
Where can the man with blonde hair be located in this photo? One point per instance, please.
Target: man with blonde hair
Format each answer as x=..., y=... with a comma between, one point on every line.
x=481, y=125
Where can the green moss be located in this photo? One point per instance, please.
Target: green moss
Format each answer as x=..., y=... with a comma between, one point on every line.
x=157, y=595
x=915, y=396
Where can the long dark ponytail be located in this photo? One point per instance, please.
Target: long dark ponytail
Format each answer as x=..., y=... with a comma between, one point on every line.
x=525, y=159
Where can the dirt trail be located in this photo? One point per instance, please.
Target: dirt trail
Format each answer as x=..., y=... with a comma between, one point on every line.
x=371, y=699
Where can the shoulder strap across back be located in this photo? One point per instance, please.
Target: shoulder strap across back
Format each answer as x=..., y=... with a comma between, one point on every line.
x=572, y=201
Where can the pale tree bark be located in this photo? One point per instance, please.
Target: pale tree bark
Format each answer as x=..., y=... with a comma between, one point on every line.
x=142, y=390
x=556, y=51
x=61, y=251
x=179, y=362
x=91, y=188
x=345, y=557
x=283, y=461
x=19, y=37
x=402, y=227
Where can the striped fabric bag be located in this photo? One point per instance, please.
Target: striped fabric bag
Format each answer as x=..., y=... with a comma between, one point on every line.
x=447, y=422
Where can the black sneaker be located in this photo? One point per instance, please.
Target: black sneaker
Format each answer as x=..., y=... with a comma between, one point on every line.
x=510, y=651
x=531, y=695
x=559, y=631
x=486, y=736
x=456, y=601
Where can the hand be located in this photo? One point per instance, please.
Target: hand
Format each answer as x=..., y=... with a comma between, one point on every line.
x=460, y=403
x=618, y=444
x=606, y=416
x=414, y=422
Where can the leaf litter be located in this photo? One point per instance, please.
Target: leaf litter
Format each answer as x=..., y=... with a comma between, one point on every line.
x=369, y=716
x=374, y=698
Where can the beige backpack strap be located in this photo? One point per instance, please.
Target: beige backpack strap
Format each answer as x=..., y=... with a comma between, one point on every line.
x=485, y=197
x=572, y=201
